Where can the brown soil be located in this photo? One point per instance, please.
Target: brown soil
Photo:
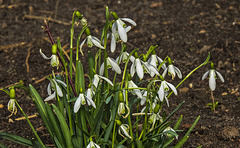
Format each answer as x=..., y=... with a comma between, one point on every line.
x=184, y=30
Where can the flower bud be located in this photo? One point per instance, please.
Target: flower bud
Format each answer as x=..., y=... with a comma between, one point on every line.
x=120, y=96
x=154, y=52
x=156, y=109
x=87, y=31
x=169, y=61
x=12, y=93
x=118, y=122
x=54, y=49
x=136, y=55
x=115, y=16
x=212, y=65
x=79, y=15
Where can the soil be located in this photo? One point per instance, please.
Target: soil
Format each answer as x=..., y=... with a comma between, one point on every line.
x=185, y=30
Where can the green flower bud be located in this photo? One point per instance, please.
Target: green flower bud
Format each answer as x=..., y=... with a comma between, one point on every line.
x=115, y=16
x=144, y=58
x=212, y=65
x=87, y=31
x=118, y=122
x=12, y=93
x=54, y=49
x=81, y=90
x=129, y=77
x=124, y=48
x=79, y=15
x=156, y=109
x=153, y=52
x=136, y=55
x=120, y=96
x=169, y=61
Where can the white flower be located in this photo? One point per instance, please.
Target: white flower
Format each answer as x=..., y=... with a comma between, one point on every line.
x=121, y=26
x=54, y=59
x=153, y=118
x=53, y=85
x=172, y=70
x=170, y=129
x=137, y=66
x=123, y=131
x=92, y=145
x=111, y=63
x=150, y=69
x=89, y=96
x=96, y=79
x=154, y=60
x=91, y=41
x=80, y=101
x=212, y=78
x=163, y=90
x=121, y=109
x=123, y=57
x=12, y=106
x=137, y=92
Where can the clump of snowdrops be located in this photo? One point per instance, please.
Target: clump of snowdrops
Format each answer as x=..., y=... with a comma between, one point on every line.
x=117, y=102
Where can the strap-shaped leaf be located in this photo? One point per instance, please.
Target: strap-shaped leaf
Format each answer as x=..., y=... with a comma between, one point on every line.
x=16, y=139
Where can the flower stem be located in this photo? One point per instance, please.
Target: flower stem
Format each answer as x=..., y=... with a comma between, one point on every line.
x=213, y=101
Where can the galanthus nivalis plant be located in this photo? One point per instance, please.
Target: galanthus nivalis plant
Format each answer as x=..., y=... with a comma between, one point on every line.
x=92, y=107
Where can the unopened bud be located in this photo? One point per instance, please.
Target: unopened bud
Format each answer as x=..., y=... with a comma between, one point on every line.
x=54, y=49
x=120, y=96
x=79, y=15
x=12, y=93
x=115, y=16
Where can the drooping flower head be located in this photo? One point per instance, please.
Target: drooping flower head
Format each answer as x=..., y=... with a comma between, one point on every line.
x=172, y=70
x=111, y=63
x=123, y=129
x=54, y=85
x=54, y=57
x=11, y=104
x=212, y=73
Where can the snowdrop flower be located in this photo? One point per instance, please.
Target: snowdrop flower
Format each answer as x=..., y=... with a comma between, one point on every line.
x=164, y=89
x=92, y=145
x=154, y=60
x=111, y=63
x=123, y=129
x=212, y=77
x=91, y=41
x=170, y=129
x=155, y=116
x=172, y=70
x=137, y=92
x=12, y=106
x=121, y=26
x=53, y=85
x=124, y=56
x=80, y=101
x=54, y=57
x=82, y=19
x=137, y=66
x=89, y=95
x=96, y=79
x=152, y=70
x=122, y=106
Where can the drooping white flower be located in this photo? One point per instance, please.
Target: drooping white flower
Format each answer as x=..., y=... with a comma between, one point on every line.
x=137, y=92
x=12, y=106
x=154, y=60
x=96, y=79
x=164, y=89
x=92, y=145
x=53, y=85
x=124, y=56
x=212, y=73
x=124, y=131
x=122, y=109
x=89, y=96
x=172, y=70
x=111, y=63
x=120, y=25
x=170, y=129
x=54, y=59
x=80, y=101
x=138, y=66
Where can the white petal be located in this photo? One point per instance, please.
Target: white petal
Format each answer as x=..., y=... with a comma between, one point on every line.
x=178, y=72
x=153, y=71
x=164, y=72
x=81, y=45
x=44, y=56
x=171, y=70
x=172, y=87
x=205, y=75
x=106, y=79
x=128, y=28
x=121, y=31
x=59, y=91
x=146, y=66
x=167, y=101
x=161, y=93
x=114, y=65
x=49, y=89
x=77, y=105
x=129, y=21
x=50, y=97
x=212, y=80
x=61, y=82
x=95, y=80
x=90, y=102
x=160, y=61
x=102, y=69
x=132, y=69
x=114, y=28
x=220, y=76
x=113, y=43
x=96, y=42
x=139, y=68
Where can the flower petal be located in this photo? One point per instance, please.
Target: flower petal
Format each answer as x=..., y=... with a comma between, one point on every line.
x=81, y=45
x=205, y=75
x=122, y=32
x=113, y=43
x=114, y=65
x=114, y=28
x=212, y=80
x=50, y=97
x=161, y=93
x=96, y=42
x=172, y=87
x=61, y=82
x=77, y=105
x=49, y=89
x=58, y=89
x=178, y=72
x=129, y=21
x=128, y=28
x=106, y=79
x=164, y=72
x=102, y=69
x=160, y=61
x=139, y=68
x=43, y=55
x=132, y=69
x=220, y=76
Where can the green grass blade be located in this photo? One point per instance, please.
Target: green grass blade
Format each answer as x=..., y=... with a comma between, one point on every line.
x=16, y=139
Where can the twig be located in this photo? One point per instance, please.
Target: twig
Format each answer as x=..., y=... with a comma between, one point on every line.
x=28, y=55
x=46, y=18
x=23, y=118
x=12, y=45
x=56, y=10
x=10, y=85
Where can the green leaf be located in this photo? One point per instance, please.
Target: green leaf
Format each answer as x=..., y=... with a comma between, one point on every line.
x=177, y=124
x=2, y=146
x=16, y=139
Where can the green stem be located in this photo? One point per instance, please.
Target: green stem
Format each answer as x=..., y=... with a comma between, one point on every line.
x=30, y=124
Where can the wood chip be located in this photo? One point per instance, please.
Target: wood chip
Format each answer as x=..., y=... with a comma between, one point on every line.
x=224, y=94
x=202, y=31
x=184, y=89
x=1, y=105
x=156, y=4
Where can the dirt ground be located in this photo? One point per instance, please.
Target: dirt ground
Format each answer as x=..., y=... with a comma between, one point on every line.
x=185, y=30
